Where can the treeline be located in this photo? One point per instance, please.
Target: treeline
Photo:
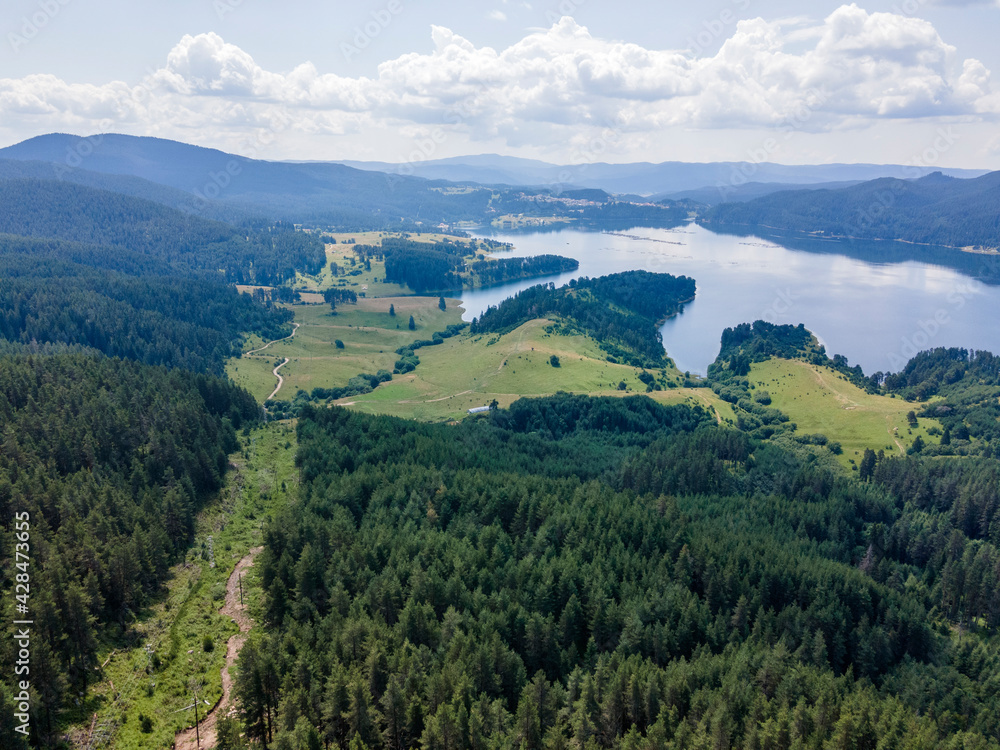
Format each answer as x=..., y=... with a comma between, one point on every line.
x=621, y=311
x=258, y=253
x=125, y=305
x=356, y=386
x=408, y=360
x=596, y=573
x=110, y=460
x=499, y=270
x=965, y=386
x=445, y=265
x=422, y=266
x=935, y=210
x=602, y=210
x=333, y=296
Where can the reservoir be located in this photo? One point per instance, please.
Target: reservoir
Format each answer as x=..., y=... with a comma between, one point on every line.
x=875, y=303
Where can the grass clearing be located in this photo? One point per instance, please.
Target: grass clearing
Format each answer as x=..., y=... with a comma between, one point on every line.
x=369, y=334
x=821, y=400
x=156, y=684
x=462, y=373
x=470, y=371
x=353, y=276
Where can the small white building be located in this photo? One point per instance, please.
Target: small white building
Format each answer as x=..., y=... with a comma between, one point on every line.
x=479, y=409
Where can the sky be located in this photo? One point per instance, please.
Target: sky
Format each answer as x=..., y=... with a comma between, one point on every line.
x=564, y=81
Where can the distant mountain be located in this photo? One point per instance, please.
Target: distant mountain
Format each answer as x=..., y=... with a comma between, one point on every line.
x=484, y=169
x=11, y=169
x=131, y=227
x=331, y=193
x=935, y=209
x=711, y=196
x=666, y=179
x=57, y=210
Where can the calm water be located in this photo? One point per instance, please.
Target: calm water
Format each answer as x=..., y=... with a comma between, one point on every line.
x=877, y=313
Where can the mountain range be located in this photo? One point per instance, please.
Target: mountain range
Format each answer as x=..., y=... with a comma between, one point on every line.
x=934, y=210
x=664, y=180
x=330, y=193
x=946, y=207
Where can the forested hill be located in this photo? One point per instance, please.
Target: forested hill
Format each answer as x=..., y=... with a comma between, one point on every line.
x=108, y=461
x=135, y=279
x=14, y=169
x=450, y=264
x=125, y=306
x=957, y=387
x=935, y=209
x=621, y=311
x=327, y=193
x=548, y=579
x=253, y=255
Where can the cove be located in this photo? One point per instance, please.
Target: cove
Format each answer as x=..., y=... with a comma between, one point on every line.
x=878, y=304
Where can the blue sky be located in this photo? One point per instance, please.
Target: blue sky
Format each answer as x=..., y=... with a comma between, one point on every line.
x=570, y=81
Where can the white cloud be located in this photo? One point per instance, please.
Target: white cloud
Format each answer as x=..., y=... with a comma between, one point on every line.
x=554, y=87
x=497, y=15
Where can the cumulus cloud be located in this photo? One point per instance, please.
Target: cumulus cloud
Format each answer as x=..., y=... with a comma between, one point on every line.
x=556, y=85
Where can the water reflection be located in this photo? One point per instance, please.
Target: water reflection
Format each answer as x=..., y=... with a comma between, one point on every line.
x=875, y=303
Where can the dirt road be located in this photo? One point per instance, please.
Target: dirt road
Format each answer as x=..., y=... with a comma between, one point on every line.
x=187, y=739
x=281, y=379
x=295, y=327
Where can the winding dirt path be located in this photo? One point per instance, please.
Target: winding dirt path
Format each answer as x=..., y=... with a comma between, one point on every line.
x=710, y=405
x=902, y=448
x=822, y=381
x=281, y=379
x=295, y=327
x=187, y=740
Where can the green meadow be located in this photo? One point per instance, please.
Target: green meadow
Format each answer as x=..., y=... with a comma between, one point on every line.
x=369, y=333
x=471, y=371
x=821, y=400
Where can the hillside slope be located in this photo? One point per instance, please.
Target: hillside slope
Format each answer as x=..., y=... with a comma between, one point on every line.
x=280, y=189
x=935, y=209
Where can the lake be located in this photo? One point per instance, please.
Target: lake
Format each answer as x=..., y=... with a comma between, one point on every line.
x=877, y=303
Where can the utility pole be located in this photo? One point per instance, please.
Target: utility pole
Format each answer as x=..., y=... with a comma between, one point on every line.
x=197, y=734
x=195, y=686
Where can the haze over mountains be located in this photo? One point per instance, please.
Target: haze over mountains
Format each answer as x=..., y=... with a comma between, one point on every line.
x=348, y=191
x=328, y=192
x=644, y=178
x=955, y=207
x=935, y=209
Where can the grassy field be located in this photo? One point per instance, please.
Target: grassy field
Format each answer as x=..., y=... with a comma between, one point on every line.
x=353, y=275
x=821, y=400
x=462, y=373
x=470, y=371
x=156, y=684
x=370, y=336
